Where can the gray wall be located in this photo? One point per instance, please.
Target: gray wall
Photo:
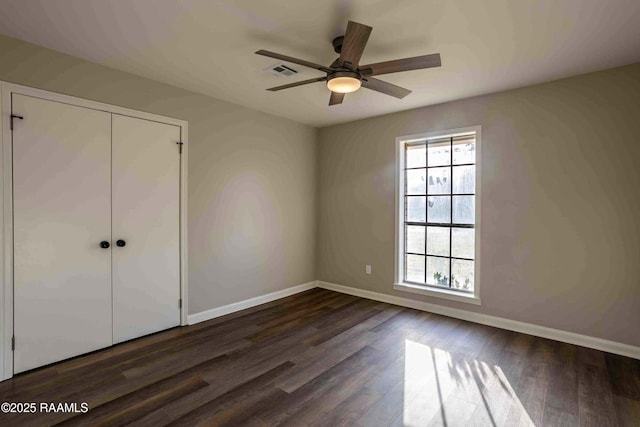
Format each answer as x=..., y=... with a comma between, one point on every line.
x=252, y=176
x=560, y=206
x=560, y=236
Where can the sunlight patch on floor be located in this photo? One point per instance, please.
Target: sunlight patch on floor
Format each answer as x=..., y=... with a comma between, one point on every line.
x=441, y=388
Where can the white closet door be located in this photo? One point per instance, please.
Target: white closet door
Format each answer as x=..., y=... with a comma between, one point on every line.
x=62, y=211
x=146, y=208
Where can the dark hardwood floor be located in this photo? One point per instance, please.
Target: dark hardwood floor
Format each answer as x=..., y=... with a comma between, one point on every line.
x=323, y=358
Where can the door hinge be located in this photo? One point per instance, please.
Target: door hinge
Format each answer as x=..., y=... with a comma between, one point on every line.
x=180, y=144
x=180, y=303
x=13, y=343
x=14, y=116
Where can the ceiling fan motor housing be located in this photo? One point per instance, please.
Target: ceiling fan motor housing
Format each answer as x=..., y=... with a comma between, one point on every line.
x=337, y=44
x=351, y=74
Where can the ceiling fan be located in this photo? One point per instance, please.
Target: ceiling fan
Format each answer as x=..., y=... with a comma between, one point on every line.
x=345, y=75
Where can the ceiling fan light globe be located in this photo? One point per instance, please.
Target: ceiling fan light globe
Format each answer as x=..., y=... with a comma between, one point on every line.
x=344, y=84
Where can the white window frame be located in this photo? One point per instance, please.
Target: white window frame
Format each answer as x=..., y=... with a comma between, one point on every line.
x=399, y=283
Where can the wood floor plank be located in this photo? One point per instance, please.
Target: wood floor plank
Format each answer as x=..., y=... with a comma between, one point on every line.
x=539, y=359
x=345, y=299
x=145, y=399
x=399, y=321
x=329, y=359
x=438, y=332
x=114, y=368
x=114, y=385
x=337, y=327
x=627, y=412
x=455, y=412
x=561, y=401
x=319, y=386
x=310, y=367
x=527, y=409
x=595, y=399
x=351, y=409
x=243, y=366
x=387, y=410
x=318, y=411
x=589, y=356
x=240, y=398
x=135, y=405
x=624, y=374
x=318, y=359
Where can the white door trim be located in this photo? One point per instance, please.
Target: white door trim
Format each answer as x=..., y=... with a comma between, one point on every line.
x=6, y=212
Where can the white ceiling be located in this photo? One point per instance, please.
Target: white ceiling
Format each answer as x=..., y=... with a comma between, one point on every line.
x=207, y=46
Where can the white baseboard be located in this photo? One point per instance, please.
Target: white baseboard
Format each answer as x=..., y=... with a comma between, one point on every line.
x=484, y=319
x=498, y=322
x=248, y=303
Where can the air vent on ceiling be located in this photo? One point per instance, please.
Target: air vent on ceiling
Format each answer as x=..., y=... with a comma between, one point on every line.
x=282, y=70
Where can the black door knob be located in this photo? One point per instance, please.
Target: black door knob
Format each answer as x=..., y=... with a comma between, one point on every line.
x=121, y=243
x=104, y=244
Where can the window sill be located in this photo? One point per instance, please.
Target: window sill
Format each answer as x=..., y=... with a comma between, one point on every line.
x=437, y=293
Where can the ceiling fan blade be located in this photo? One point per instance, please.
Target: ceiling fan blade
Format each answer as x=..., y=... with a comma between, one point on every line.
x=295, y=60
x=303, y=82
x=385, y=87
x=355, y=39
x=406, y=64
x=336, y=98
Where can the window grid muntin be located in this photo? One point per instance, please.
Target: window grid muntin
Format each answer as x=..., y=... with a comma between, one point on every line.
x=451, y=225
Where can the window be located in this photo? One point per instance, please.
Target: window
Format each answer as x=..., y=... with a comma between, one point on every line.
x=437, y=221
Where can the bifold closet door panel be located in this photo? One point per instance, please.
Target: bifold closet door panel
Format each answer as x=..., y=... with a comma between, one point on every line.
x=62, y=211
x=146, y=218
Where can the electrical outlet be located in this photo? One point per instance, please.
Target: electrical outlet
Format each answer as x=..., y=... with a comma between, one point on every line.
x=367, y=269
